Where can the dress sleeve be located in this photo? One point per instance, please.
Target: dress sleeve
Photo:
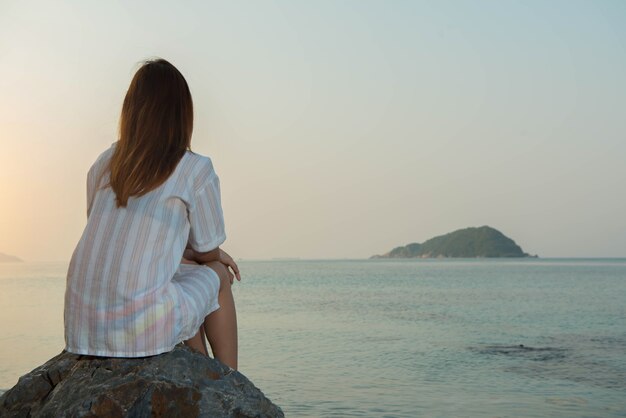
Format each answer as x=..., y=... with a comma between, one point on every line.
x=206, y=219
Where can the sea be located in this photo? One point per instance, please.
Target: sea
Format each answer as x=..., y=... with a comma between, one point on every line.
x=528, y=337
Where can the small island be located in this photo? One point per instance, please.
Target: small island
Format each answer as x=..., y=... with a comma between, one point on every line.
x=472, y=242
x=5, y=258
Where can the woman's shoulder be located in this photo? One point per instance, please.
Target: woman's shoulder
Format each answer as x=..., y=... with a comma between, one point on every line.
x=107, y=153
x=200, y=165
x=103, y=158
x=198, y=168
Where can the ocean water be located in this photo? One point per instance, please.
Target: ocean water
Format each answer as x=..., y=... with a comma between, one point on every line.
x=395, y=338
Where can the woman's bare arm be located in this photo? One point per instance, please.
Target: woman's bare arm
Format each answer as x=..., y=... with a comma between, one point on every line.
x=216, y=254
x=201, y=258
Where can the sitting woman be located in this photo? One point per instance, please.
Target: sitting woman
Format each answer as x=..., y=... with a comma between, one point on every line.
x=148, y=272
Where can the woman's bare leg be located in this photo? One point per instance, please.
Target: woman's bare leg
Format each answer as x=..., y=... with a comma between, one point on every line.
x=197, y=342
x=221, y=326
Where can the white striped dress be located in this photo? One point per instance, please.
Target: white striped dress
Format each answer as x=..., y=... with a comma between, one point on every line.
x=127, y=294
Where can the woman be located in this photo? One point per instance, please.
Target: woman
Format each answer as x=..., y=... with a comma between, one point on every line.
x=148, y=272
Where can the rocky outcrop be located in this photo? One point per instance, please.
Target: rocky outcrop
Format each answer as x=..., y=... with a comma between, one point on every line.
x=180, y=383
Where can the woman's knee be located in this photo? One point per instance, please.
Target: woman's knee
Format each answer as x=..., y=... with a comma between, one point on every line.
x=222, y=272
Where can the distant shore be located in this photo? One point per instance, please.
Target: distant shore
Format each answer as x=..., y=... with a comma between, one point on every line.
x=6, y=258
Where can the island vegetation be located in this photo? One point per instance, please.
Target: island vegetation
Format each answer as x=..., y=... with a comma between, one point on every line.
x=483, y=241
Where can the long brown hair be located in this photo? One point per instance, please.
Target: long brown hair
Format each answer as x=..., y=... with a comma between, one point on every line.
x=154, y=132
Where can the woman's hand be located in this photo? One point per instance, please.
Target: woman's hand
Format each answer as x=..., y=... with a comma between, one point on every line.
x=192, y=257
x=228, y=261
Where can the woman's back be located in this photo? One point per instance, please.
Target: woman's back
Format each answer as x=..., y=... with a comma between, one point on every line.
x=120, y=298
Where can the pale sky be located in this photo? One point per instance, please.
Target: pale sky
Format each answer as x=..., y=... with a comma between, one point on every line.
x=339, y=129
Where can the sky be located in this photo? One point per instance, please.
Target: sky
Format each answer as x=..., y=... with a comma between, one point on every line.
x=339, y=129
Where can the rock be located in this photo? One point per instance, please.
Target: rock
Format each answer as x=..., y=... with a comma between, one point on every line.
x=180, y=383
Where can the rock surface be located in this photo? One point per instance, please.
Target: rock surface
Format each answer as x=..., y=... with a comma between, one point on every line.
x=180, y=383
